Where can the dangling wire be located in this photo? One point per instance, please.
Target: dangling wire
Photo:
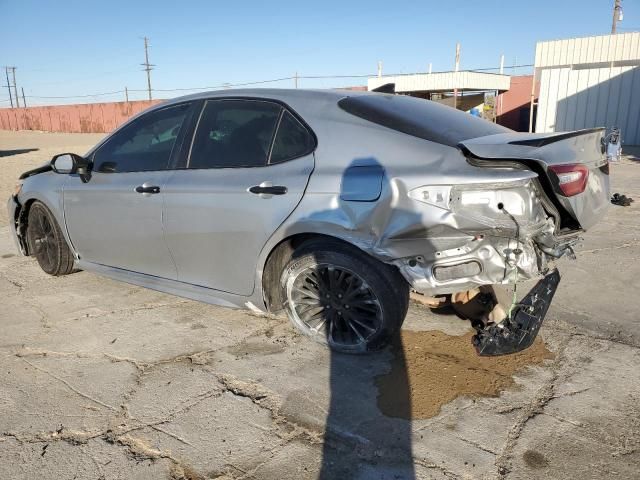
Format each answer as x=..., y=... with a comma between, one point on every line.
x=517, y=251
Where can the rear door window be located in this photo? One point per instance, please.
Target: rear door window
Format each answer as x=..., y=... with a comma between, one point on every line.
x=146, y=144
x=234, y=133
x=292, y=140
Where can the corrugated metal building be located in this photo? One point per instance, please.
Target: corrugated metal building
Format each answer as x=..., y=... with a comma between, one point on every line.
x=590, y=82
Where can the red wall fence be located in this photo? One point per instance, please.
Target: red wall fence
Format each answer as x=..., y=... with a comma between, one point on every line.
x=513, y=106
x=84, y=118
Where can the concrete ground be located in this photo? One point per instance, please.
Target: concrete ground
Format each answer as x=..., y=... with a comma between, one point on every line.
x=104, y=380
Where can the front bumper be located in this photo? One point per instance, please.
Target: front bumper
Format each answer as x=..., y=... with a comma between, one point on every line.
x=14, y=208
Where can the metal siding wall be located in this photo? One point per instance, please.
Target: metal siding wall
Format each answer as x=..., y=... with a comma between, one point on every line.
x=563, y=88
x=603, y=48
x=544, y=102
x=633, y=120
x=585, y=98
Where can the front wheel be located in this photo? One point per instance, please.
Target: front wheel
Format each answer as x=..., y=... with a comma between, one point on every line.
x=46, y=241
x=339, y=296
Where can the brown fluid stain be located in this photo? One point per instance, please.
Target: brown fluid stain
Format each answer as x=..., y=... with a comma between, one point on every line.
x=535, y=459
x=431, y=369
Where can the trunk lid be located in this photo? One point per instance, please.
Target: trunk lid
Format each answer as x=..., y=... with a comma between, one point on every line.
x=572, y=168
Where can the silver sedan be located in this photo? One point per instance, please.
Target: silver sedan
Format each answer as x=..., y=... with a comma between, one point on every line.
x=330, y=206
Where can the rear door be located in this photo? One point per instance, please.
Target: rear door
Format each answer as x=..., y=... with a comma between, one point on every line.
x=115, y=219
x=246, y=170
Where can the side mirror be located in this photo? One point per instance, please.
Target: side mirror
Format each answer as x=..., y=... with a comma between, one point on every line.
x=67, y=163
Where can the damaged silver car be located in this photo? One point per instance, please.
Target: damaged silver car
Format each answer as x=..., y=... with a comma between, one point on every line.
x=330, y=206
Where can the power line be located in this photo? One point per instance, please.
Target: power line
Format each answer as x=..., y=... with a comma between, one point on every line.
x=239, y=84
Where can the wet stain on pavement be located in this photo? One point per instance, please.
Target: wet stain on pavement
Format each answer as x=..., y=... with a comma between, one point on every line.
x=534, y=459
x=440, y=368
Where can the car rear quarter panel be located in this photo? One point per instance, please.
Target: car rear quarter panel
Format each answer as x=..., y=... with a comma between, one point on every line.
x=390, y=226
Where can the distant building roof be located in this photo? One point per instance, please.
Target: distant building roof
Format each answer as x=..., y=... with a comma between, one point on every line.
x=443, y=81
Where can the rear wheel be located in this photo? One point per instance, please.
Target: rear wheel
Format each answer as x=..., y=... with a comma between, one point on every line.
x=47, y=243
x=339, y=296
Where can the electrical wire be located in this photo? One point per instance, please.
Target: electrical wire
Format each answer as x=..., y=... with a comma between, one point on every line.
x=514, y=298
x=257, y=82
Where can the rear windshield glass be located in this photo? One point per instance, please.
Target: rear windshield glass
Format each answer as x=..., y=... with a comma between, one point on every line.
x=420, y=118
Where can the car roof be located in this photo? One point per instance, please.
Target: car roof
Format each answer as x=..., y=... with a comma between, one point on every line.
x=272, y=93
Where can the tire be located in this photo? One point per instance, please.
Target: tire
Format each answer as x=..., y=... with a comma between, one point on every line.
x=47, y=243
x=341, y=297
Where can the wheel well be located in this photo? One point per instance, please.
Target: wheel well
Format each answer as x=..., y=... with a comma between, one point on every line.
x=278, y=258
x=22, y=220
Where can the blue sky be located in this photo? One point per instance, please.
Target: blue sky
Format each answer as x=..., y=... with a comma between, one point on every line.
x=66, y=48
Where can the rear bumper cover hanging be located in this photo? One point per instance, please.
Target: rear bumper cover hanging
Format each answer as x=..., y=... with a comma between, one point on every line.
x=518, y=331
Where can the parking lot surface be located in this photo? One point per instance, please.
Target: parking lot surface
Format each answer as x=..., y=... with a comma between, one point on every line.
x=100, y=379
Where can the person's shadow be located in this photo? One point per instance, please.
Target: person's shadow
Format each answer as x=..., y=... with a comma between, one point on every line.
x=360, y=441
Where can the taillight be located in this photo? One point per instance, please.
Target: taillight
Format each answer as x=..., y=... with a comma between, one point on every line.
x=572, y=178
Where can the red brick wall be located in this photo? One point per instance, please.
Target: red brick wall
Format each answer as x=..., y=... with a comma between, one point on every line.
x=513, y=105
x=84, y=118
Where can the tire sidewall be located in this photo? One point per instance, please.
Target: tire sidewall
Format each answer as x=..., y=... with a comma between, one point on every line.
x=39, y=208
x=308, y=259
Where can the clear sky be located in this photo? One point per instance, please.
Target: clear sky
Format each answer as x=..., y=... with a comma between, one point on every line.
x=64, y=48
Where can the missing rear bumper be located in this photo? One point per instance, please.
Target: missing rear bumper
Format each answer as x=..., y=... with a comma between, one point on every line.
x=518, y=331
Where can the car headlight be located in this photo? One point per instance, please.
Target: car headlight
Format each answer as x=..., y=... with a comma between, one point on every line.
x=17, y=188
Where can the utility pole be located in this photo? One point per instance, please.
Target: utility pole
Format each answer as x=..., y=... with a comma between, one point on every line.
x=147, y=66
x=24, y=102
x=6, y=71
x=455, y=90
x=430, y=66
x=379, y=68
x=295, y=80
x=617, y=15
x=15, y=87
x=126, y=95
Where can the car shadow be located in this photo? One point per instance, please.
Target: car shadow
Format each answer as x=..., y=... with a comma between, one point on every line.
x=20, y=151
x=360, y=441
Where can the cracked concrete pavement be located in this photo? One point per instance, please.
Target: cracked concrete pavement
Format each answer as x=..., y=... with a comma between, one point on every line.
x=100, y=379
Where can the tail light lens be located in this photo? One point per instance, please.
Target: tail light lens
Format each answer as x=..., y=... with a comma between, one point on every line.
x=572, y=178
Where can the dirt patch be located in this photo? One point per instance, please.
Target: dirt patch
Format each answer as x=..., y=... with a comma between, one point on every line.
x=431, y=369
x=255, y=348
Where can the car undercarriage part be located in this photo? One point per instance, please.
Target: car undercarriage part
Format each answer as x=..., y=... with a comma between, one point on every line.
x=520, y=328
x=482, y=306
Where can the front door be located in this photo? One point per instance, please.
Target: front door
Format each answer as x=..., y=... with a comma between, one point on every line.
x=248, y=167
x=115, y=219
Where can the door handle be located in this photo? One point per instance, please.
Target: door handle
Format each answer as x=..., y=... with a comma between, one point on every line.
x=147, y=189
x=269, y=190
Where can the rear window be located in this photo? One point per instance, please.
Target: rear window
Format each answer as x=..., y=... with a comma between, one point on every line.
x=420, y=118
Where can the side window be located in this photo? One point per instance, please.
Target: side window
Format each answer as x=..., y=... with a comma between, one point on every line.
x=144, y=145
x=234, y=133
x=292, y=140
